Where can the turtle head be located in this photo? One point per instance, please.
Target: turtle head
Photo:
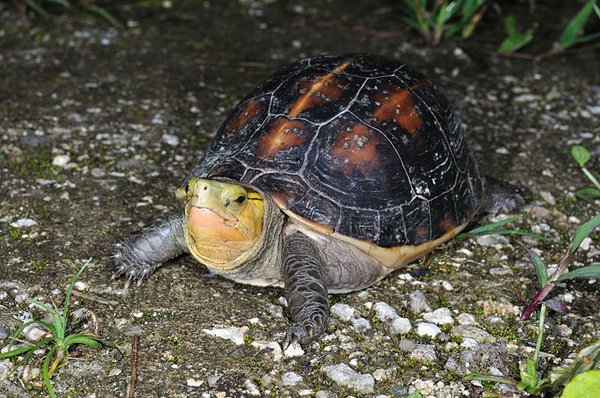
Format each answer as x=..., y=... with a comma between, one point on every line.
x=223, y=221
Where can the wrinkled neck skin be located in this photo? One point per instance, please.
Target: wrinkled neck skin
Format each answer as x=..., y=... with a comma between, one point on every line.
x=248, y=260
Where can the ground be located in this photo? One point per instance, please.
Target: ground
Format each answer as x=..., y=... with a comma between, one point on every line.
x=98, y=126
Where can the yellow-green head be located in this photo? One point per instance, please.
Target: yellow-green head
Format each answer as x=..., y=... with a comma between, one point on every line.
x=223, y=221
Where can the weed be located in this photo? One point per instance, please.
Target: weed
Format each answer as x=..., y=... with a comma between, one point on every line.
x=529, y=378
x=56, y=342
x=436, y=19
x=515, y=39
x=582, y=156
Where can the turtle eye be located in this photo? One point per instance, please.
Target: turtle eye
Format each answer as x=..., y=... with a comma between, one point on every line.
x=240, y=199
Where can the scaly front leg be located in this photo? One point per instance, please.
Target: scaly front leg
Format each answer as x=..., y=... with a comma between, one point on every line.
x=305, y=290
x=138, y=255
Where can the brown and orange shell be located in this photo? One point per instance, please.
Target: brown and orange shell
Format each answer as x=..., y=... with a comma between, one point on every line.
x=357, y=145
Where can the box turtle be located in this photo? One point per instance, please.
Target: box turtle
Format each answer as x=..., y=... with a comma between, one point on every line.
x=331, y=174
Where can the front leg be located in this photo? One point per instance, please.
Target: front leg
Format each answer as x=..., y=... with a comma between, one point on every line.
x=138, y=255
x=305, y=290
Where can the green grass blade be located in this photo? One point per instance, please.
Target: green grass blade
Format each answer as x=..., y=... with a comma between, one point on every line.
x=70, y=288
x=590, y=271
x=45, y=370
x=597, y=10
x=587, y=38
x=588, y=194
x=63, y=3
x=102, y=13
x=583, y=232
x=43, y=306
x=16, y=351
x=538, y=264
x=78, y=338
x=510, y=24
x=38, y=9
x=496, y=224
x=575, y=26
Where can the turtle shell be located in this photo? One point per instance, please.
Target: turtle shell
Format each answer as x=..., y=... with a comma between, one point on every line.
x=358, y=145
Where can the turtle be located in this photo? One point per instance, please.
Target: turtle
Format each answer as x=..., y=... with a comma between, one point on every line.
x=328, y=176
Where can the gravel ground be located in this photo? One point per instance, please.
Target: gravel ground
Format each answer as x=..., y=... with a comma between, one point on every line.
x=98, y=126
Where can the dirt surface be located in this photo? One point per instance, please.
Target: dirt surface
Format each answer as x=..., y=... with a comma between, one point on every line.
x=99, y=125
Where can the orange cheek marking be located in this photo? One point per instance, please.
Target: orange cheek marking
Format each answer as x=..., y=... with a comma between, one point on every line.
x=205, y=224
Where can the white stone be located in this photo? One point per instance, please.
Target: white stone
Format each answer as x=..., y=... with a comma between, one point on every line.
x=251, y=388
x=400, y=326
x=343, y=312
x=361, y=324
x=441, y=316
x=23, y=223
x=271, y=345
x=466, y=319
x=290, y=379
x=425, y=329
x=495, y=241
x=469, y=343
x=61, y=160
x=384, y=312
x=170, y=139
x=81, y=286
x=424, y=353
x=232, y=333
x=293, y=350
x=344, y=376
x=193, y=382
x=418, y=302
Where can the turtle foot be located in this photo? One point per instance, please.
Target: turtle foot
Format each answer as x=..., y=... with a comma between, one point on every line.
x=304, y=333
x=126, y=264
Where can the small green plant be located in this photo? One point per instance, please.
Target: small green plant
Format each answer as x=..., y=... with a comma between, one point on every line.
x=515, y=39
x=582, y=156
x=56, y=341
x=529, y=378
x=437, y=19
x=573, y=33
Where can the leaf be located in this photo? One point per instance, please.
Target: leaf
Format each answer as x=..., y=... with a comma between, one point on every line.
x=597, y=10
x=590, y=271
x=575, y=26
x=70, y=288
x=540, y=267
x=584, y=385
x=515, y=40
x=580, y=154
x=583, y=232
x=102, y=13
x=63, y=3
x=535, y=302
x=588, y=358
x=556, y=306
x=491, y=226
x=588, y=194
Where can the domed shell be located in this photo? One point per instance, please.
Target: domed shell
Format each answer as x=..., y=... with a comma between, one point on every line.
x=360, y=146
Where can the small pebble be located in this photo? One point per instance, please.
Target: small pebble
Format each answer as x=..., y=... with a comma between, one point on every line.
x=343, y=312
x=425, y=329
x=293, y=350
x=384, y=312
x=290, y=379
x=418, y=302
x=400, y=326
x=23, y=223
x=193, y=382
x=232, y=333
x=251, y=388
x=441, y=316
x=273, y=346
x=424, y=353
x=361, y=324
x=344, y=376
x=61, y=161
x=170, y=139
